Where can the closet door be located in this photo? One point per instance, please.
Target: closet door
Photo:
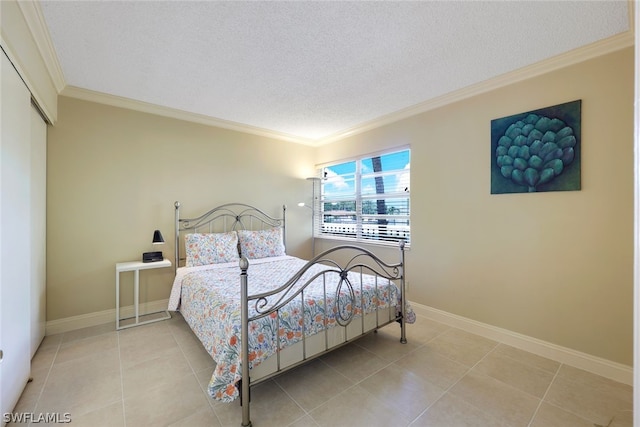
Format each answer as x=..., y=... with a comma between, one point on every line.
x=38, y=212
x=15, y=235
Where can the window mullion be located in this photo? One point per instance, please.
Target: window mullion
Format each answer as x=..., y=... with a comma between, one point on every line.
x=358, y=200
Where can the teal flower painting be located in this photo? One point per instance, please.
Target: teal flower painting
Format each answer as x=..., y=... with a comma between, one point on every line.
x=537, y=151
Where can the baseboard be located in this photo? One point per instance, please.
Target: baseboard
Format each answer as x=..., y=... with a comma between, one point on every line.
x=606, y=368
x=73, y=323
x=603, y=367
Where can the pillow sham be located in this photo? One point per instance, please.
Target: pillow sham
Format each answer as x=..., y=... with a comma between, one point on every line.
x=211, y=248
x=261, y=243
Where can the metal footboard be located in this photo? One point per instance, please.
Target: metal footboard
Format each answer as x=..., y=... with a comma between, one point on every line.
x=362, y=263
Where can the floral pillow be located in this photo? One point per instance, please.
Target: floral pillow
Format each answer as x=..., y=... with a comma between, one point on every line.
x=261, y=243
x=211, y=248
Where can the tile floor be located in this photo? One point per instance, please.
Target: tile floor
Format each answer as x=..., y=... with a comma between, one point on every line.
x=156, y=375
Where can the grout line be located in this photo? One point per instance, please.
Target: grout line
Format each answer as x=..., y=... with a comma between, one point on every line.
x=204, y=389
x=570, y=411
x=124, y=413
x=544, y=396
x=292, y=399
x=44, y=384
x=458, y=381
x=320, y=360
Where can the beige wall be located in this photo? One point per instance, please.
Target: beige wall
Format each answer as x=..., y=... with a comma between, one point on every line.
x=556, y=266
x=113, y=176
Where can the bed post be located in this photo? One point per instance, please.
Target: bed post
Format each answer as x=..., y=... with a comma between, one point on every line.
x=403, y=298
x=284, y=227
x=244, y=315
x=177, y=236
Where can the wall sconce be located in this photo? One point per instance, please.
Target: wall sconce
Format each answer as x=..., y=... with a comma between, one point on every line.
x=156, y=255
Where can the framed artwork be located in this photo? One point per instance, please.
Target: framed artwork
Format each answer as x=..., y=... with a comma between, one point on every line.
x=537, y=151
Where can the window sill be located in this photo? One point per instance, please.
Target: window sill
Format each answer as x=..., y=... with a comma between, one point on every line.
x=365, y=242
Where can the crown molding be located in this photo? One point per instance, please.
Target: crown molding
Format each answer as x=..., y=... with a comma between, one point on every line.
x=572, y=57
x=39, y=31
x=145, y=107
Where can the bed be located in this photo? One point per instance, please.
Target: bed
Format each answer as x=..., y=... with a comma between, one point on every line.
x=245, y=298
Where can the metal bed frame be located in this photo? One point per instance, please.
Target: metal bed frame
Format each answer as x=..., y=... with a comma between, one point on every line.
x=360, y=261
x=227, y=217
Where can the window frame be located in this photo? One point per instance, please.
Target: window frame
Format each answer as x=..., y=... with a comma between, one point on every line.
x=360, y=199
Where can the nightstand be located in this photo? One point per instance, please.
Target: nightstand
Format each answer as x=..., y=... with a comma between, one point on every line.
x=136, y=266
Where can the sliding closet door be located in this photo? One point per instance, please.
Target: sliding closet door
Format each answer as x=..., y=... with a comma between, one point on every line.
x=15, y=235
x=38, y=212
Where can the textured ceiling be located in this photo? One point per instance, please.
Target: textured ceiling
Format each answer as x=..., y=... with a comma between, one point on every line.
x=311, y=69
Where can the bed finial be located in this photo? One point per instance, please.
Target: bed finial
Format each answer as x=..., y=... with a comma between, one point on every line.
x=244, y=264
x=176, y=215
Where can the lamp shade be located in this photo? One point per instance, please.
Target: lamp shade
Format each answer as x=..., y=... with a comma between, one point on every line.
x=157, y=237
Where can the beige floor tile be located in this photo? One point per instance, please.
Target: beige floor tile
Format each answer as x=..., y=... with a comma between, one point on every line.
x=44, y=357
x=618, y=390
x=552, y=416
x=165, y=405
x=109, y=416
x=205, y=417
x=87, y=347
x=324, y=378
x=158, y=374
x=462, y=346
x=515, y=373
x=433, y=367
x=270, y=406
x=356, y=407
x=182, y=333
x=204, y=376
x=161, y=371
x=198, y=357
x=82, y=385
x=589, y=396
x=497, y=399
x=144, y=342
x=403, y=389
x=143, y=332
x=26, y=404
x=305, y=421
x=528, y=358
x=32, y=392
x=51, y=341
x=451, y=411
x=424, y=330
x=354, y=362
x=91, y=331
x=385, y=343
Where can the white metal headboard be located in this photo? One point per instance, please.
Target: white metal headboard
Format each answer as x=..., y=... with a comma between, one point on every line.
x=223, y=218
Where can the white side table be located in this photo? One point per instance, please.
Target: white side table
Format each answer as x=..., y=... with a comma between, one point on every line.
x=136, y=266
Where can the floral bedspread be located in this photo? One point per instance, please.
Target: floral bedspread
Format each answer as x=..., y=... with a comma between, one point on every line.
x=209, y=299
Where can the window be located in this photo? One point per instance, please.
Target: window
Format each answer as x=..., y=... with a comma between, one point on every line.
x=366, y=199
